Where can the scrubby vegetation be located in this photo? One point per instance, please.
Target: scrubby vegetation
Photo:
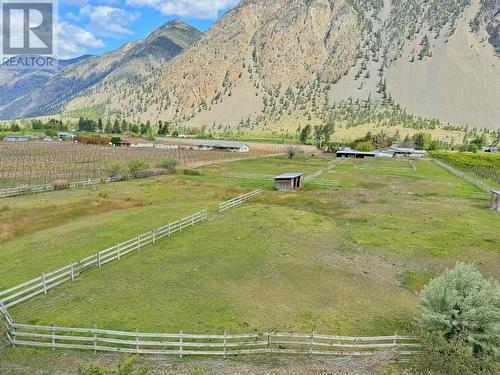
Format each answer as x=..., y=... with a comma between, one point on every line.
x=460, y=324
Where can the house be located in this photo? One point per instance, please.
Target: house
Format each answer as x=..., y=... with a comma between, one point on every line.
x=137, y=143
x=65, y=136
x=349, y=153
x=289, y=181
x=16, y=138
x=406, y=152
x=495, y=200
x=209, y=145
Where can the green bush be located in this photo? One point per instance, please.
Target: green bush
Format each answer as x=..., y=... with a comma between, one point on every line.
x=365, y=146
x=168, y=164
x=136, y=166
x=191, y=172
x=459, y=324
x=461, y=303
x=114, y=169
x=473, y=148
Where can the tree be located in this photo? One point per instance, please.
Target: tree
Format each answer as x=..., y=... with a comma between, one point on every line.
x=461, y=303
x=108, y=129
x=365, y=146
x=116, y=127
x=99, y=125
x=124, y=126
x=305, y=134
x=168, y=164
x=419, y=140
x=290, y=152
x=473, y=148
x=136, y=166
x=15, y=128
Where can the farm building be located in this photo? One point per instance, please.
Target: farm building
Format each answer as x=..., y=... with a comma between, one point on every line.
x=348, y=153
x=495, y=200
x=137, y=143
x=406, y=152
x=289, y=181
x=66, y=136
x=221, y=146
x=16, y=138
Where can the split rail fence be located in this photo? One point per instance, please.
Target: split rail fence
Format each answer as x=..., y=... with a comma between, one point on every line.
x=34, y=189
x=238, y=200
x=42, y=284
x=474, y=181
x=182, y=344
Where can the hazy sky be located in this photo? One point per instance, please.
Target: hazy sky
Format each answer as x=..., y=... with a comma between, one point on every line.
x=91, y=26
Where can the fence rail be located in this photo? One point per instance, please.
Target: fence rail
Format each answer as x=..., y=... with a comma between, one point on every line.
x=331, y=165
x=42, y=284
x=238, y=200
x=182, y=344
x=474, y=181
x=34, y=189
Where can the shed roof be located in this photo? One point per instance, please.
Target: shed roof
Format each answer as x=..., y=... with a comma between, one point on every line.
x=497, y=192
x=225, y=144
x=287, y=176
x=354, y=152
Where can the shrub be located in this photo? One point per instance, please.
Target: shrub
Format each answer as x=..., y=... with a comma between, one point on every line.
x=461, y=303
x=114, y=169
x=365, y=146
x=191, y=172
x=473, y=148
x=136, y=166
x=168, y=164
x=60, y=184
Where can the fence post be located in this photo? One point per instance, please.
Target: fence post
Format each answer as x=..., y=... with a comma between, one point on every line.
x=225, y=343
x=169, y=229
x=268, y=339
x=396, y=342
x=73, y=272
x=138, y=242
x=192, y=220
x=153, y=235
x=311, y=343
x=53, y=337
x=118, y=250
x=98, y=260
x=137, y=341
x=44, y=284
x=180, y=345
x=95, y=338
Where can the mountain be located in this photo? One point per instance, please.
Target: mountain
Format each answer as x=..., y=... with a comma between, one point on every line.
x=129, y=64
x=17, y=83
x=276, y=64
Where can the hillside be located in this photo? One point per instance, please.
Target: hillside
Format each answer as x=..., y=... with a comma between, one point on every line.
x=271, y=66
x=131, y=64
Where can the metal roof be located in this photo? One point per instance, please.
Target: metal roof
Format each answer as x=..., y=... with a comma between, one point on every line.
x=224, y=144
x=497, y=192
x=287, y=176
x=354, y=152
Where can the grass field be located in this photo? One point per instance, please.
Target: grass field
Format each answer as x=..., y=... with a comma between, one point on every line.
x=342, y=260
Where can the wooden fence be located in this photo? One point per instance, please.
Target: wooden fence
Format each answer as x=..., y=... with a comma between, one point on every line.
x=474, y=181
x=42, y=284
x=331, y=165
x=238, y=200
x=22, y=190
x=182, y=344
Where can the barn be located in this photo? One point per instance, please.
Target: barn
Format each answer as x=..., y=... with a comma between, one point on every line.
x=348, y=153
x=16, y=138
x=495, y=200
x=221, y=146
x=289, y=181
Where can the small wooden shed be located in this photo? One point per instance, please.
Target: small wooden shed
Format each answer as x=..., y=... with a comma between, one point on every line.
x=495, y=200
x=289, y=181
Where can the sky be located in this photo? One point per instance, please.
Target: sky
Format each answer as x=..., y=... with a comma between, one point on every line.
x=98, y=26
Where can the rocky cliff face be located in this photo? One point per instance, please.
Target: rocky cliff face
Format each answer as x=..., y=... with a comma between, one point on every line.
x=269, y=64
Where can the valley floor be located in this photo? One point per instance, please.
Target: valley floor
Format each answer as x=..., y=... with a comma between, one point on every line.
x=345, y=258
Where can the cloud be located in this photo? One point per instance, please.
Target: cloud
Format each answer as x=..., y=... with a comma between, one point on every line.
x=201, y=9
x=73, y=41
x=109, y=21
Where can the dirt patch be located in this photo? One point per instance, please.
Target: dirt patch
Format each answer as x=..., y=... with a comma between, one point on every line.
x=29, y=221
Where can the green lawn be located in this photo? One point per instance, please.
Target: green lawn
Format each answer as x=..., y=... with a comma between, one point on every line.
x=343, y=260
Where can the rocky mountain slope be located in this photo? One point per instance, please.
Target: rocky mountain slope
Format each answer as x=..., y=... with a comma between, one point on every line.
x=273, y=64
x=130, y=63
